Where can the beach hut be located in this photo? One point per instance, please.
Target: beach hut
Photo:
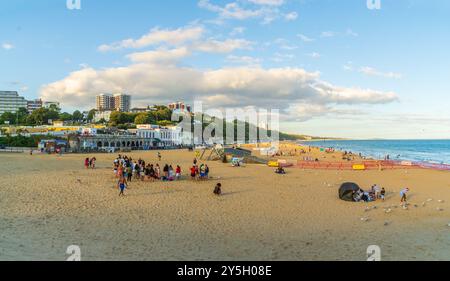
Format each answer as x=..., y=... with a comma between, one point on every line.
x=346, y=191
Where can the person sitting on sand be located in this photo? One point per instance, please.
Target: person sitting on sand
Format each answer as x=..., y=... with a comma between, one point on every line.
x=403, y=200
x=280, y=171
x=171, y=175
x=166, y=171
x=122, y=186
x=178, y=173
x=218, y=189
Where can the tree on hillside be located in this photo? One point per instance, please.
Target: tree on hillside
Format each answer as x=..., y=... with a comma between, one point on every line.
x=141, y=119
x=91, y=115
x=65, y=116
x=77, y=116
x=41, y=116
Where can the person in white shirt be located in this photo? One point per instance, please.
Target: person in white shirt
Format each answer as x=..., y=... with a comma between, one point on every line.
x=403, y=193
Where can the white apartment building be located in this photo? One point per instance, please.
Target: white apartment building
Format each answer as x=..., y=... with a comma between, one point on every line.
x=10, y=101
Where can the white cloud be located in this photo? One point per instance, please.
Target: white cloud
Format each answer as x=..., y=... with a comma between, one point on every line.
x=370, y=71
x=226, y=46
x=291, y=16
x=7, y=46
x=328, y=34
x=278, y=57
x=152, y=80
x=315, y=55
x=243, y=60
x=157, y=36
x=268, y=2
x=237, y=31
x=267, y=10
x=305, y=38
x=160, y=56
x=230, y=10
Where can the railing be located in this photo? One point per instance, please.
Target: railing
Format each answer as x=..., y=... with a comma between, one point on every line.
x=16, y=149
x=367, y=165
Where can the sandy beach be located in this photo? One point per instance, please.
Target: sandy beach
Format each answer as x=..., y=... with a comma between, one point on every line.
x=49, y=202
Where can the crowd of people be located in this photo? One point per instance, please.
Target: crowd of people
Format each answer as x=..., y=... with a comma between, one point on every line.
x=126, y=169
x=130, y=169
x=376, y=193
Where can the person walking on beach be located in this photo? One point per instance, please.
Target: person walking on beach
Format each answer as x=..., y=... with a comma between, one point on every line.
x=403, y=200
x=129, y=173
x=122, y=186
x=86, y=163
x=159, y=156
x=92, y=163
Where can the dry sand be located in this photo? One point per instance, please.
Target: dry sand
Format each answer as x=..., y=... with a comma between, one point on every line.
x=262, y=216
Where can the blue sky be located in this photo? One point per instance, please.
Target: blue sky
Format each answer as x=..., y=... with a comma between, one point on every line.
x=333, y=68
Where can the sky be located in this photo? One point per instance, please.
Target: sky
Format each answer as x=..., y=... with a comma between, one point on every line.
x=332, y=68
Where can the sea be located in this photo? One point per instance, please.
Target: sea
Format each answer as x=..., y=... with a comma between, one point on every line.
x=424, y=151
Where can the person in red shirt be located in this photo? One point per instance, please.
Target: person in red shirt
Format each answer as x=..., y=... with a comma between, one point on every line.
x=178, y=173
x=193, y=172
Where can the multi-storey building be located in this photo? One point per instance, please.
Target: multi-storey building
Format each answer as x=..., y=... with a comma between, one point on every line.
x=10, y=101
x=105, y=102
x=118, y=102
x=122, y=102
x=33, y=105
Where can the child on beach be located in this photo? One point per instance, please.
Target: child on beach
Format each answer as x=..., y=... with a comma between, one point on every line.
x=383, y=194
x=92, y=163
x=86, y=163
x=122, y=186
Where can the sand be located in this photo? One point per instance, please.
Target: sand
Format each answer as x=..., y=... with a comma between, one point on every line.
x=49, y=202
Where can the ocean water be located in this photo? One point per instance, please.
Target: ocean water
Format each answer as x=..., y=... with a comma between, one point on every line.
x=431, y=151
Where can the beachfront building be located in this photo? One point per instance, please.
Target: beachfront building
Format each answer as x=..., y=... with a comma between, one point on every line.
x=165, y=136
x=111, y=143
x=10, y=101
